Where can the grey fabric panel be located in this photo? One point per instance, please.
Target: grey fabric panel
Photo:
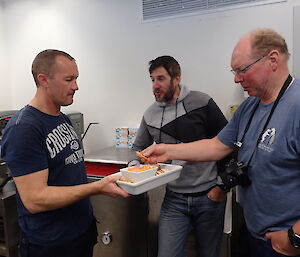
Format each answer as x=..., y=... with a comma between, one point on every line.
x=187, y=102
x=195, y=176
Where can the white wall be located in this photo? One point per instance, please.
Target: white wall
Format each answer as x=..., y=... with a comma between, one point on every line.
x=113, y=47
x=296, y=41
x=5, y=85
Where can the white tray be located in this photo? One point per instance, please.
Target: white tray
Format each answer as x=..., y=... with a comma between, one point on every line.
x=172, y=173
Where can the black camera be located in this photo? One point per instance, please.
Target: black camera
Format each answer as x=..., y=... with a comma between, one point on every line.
x=235, y=174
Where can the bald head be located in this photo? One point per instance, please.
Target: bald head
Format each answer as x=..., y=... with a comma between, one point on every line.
x=243, y=48
x=262, y=42
x=259, y=63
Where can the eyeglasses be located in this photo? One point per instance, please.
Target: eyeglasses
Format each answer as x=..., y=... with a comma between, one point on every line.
x=239, y=71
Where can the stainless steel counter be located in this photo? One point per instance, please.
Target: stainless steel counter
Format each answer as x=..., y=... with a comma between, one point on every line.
x=112, y=155
x=127, y=227
x=9, y=229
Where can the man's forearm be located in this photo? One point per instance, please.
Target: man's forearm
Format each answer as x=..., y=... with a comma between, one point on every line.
x=201, y=150
x=55, y=197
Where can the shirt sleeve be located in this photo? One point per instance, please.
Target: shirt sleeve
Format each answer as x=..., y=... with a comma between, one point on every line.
x=24, y=150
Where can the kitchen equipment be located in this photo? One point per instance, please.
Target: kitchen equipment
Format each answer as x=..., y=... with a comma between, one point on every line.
x=6, y=182
x=76, y=119
x=127, y=226
x=9, y=229
x=5, y=116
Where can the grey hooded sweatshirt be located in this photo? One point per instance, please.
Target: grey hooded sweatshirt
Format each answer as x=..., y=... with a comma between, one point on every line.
x=192, y=117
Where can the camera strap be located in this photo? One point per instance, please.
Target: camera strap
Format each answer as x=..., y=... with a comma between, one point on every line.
x=239, y=144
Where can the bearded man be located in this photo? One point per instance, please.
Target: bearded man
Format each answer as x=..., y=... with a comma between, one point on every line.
x=193, y=201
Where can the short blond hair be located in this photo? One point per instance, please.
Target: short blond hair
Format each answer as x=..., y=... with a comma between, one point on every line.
x=263, y=41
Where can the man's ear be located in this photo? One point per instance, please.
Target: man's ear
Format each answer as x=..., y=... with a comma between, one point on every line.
x=274, y=59
x=42, y=79
x=177, y=80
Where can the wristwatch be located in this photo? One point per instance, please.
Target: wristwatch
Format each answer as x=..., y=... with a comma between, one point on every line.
x=294, y=238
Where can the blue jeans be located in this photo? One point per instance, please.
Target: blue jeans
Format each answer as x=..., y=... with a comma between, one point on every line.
x=262, y=248
x=179, y=214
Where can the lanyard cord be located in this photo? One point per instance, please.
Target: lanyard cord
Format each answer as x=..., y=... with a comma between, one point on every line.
x=161, y=123
x=176, y=121
x=162, y=119
x=239, y=144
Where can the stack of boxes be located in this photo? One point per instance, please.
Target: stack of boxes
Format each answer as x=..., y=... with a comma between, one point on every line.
x=131, y=136
x=125, y=137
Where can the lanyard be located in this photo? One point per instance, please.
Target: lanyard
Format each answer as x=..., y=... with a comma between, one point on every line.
x=239, y=143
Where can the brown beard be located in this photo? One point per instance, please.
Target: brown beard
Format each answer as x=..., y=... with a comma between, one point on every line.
x=169, y=94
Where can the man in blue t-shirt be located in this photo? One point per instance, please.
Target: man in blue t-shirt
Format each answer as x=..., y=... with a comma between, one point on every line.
x=264, y=135
x=46, y=160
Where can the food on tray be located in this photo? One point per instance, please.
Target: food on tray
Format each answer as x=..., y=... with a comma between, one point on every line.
x=160, y=171
x=124, y=180
x=136, y=169
x=163, y=176
x=140, y=168
x=138, y=173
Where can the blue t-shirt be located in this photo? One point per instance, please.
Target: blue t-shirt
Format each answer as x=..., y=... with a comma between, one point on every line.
x=34, y=141
x=271, y=202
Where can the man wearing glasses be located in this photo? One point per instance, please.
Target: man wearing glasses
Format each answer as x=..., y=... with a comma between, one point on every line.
x=264, y=137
